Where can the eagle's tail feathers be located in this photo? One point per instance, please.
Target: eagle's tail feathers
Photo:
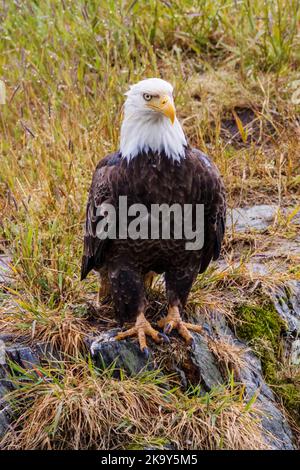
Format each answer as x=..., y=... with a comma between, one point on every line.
x=86, y=267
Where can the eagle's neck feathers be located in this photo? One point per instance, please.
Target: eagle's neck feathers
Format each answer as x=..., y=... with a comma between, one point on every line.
x=144, y=132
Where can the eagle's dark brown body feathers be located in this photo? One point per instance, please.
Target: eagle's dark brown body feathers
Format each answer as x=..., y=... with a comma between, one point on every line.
x=153, y=179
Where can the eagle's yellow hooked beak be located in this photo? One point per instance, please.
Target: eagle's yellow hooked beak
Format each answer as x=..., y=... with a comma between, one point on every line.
x=165, y=106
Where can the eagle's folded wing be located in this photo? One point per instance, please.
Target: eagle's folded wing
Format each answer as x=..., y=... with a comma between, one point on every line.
x=211, y=193
x=101, y=191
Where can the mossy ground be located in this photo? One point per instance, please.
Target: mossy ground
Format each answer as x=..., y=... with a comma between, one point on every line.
x=263, y=329
x=261, y=325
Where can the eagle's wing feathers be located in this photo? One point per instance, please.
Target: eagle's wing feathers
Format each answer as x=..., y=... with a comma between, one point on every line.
x=211, y=193
x=100, y=192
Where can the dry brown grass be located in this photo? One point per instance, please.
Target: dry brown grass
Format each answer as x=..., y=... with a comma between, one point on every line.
x=229, y=355
x=78, y=407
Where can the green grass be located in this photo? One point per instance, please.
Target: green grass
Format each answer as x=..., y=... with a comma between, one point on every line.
x=66, y=66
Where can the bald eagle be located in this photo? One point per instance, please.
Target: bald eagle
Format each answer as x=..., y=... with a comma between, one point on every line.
x=154, y=165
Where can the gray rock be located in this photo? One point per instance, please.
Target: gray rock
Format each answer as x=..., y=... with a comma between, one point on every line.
x=248, y=218
x=205, y=362
x=286, y=300
x=2, y=352
x=259, y=217
x=295, y=353
x=23, y=356
x=5, y=417
x=126, y=355
x=5, y=412
x=273, y=421
x=277, y=431
x=5, y=270
x=204, y=370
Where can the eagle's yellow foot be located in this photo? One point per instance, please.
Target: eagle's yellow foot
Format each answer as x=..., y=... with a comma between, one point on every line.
x=174, y=321
x=142, y=328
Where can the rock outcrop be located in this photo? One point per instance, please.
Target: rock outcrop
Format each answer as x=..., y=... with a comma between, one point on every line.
x=197, y=364
x=202, y=367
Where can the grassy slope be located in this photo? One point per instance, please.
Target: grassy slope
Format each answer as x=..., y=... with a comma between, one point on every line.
x=66, y=66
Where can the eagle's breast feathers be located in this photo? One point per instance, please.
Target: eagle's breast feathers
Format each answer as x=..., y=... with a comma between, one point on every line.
x=152, y=178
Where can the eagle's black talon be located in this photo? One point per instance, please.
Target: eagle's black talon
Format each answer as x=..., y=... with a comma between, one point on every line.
x=168, y=328
x=193, y=345
x=164, y=337
x=146, y=353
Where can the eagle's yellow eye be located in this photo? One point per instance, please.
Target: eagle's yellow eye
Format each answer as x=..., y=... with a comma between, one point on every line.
x=147, y=97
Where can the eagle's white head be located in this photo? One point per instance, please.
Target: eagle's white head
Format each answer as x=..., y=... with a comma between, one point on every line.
x=150, y=122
